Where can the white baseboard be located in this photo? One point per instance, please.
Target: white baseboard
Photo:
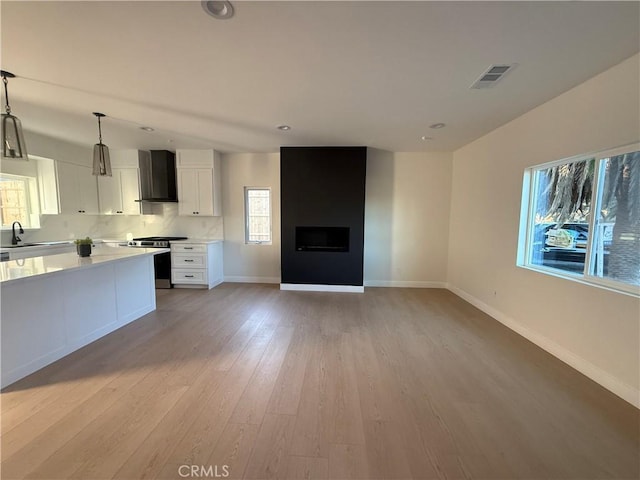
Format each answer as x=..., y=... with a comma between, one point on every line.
x=237, y=279
x=321, y=288
x=598, y=375
x=403, y=284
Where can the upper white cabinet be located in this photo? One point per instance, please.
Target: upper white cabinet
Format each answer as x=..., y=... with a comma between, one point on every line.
x=77, y=189
x=199, y=187
x=118, y=193
x=47, y=186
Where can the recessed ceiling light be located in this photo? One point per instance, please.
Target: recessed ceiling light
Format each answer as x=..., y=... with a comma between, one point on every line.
x=424, y=137
x=221, y=10
x=146, y=129
x=437, y=125
x=283, y=127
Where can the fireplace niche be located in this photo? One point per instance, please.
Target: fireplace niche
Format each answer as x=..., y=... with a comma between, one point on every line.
x=322, y=239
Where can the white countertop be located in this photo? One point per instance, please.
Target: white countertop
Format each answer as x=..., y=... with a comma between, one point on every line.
x=52, y=244
x=197, y=240
x=26, y=268
x=37, y=246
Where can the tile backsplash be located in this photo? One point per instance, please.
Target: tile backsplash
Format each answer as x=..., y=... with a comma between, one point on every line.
x=116, y=227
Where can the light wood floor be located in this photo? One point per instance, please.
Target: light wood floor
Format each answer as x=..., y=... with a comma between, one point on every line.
x=393, y=383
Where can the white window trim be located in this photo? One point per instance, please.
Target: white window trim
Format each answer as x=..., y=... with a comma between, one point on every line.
x=33, y=210
x=246, y=217
x=527, y=210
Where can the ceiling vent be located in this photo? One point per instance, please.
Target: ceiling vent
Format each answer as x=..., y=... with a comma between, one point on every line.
x=492, y=75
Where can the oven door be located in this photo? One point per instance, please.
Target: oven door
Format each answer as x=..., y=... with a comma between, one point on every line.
x=162, y=264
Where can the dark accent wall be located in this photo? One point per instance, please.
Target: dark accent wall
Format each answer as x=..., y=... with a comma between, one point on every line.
x=322, y=187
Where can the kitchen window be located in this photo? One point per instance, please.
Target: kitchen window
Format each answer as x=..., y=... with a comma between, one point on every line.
x=257, y=211
x=18, y=201
x=581, y=219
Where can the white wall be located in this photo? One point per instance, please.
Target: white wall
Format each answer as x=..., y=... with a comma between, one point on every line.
x=407, y=218
x=249, y=263
x=595, y=330
x=63, y=227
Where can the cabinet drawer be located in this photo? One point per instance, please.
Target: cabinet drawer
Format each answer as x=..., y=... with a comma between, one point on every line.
x=188, y=247
x=188, y=276
x=196, y=260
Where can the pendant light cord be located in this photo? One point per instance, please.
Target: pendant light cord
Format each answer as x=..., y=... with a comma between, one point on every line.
x=6, y=94
x=99, y=131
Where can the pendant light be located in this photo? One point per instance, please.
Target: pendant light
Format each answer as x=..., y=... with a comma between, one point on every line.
x=101, y=161
x=13, y=145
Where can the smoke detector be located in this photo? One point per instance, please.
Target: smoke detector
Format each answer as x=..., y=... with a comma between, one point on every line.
x=492, y=75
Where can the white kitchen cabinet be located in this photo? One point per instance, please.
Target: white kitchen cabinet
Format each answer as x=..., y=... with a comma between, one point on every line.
x=47, y=186
x=195, y=192
x=199, y=186
x=118, y=193
x=77, y=189
x=196, y=265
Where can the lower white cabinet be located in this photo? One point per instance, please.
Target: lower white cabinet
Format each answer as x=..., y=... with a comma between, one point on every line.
x=196, y=265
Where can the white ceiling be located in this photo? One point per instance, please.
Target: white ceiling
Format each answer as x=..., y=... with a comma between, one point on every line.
x=340, y=73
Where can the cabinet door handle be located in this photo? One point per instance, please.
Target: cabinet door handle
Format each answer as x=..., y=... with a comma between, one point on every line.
x=188, y=276
x=187, y=260
x=188, y=248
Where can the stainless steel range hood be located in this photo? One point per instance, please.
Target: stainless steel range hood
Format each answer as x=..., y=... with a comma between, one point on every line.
x=157, y=176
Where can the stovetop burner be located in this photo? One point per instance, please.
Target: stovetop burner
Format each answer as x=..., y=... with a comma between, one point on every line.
x=154, y=242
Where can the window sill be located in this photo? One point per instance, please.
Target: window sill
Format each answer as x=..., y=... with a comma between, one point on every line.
x=633, y=291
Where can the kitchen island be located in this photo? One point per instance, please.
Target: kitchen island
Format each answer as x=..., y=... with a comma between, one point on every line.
x=54, y=305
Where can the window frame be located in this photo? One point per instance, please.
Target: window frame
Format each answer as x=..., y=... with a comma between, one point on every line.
x=31, y=199
x=527, y=220
x=247, y=241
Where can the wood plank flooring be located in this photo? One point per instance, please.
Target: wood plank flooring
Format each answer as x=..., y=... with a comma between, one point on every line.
x=264, y=384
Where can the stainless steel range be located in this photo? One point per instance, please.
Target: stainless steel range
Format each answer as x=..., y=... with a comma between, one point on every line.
x=162, y=262
x=154, y=242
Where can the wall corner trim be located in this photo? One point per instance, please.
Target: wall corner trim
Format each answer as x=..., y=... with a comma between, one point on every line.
x=304, y=287
x=598, y=375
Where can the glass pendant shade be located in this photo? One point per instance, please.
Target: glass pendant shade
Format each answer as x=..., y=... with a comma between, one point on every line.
x=13, y=145
x=101, y=160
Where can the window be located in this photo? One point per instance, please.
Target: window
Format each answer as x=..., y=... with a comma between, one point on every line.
x=257, y=211
x=582, y=219
x=18, y=201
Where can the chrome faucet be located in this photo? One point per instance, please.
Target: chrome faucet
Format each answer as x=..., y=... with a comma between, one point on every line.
x=15, y=239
